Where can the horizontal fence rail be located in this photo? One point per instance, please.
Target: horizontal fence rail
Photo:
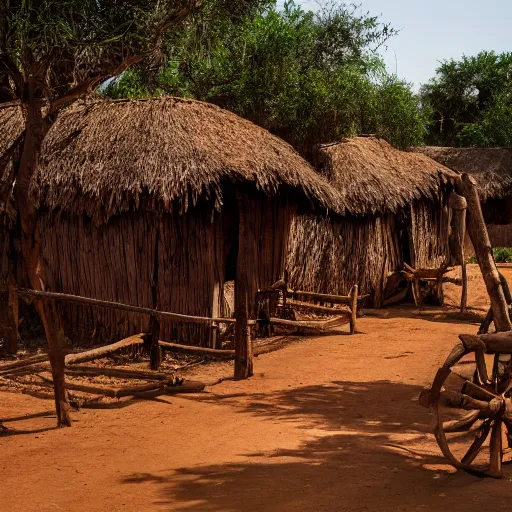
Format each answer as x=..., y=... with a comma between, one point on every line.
x=65, y=297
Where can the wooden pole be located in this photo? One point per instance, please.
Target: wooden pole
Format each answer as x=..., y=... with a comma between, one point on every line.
x=353, y=309
x=477, y=230
x=155, y=354
x=9, y=319
x=458, y=205
x=76, y=299
x=243, y=348
x=216, y=311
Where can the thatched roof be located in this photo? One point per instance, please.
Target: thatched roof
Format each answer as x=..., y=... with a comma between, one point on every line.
x=105, y=157
x=373, y=176
x=491, y=167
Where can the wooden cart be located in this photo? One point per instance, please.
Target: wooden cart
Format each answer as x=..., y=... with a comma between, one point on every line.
x=471, y=396
x=473, y=413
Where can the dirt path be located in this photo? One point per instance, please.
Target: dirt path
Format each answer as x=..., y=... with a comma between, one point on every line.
x=327, y=424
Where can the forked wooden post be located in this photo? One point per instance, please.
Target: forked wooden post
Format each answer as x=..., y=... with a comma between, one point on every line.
x=353, y=308
x=477, y=230
x=243, y=347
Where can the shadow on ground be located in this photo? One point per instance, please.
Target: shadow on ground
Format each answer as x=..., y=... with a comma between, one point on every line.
x=368, y=447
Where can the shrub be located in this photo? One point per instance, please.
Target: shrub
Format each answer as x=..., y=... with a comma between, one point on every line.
x=502, y=254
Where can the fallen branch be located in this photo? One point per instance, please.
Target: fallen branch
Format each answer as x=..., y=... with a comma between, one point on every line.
x=316, y=325
x=120, y=373
x=324, y=297
x=29, y=361
x=230, y=354
x=167, y=388
x=98, y=353
x=314, y=307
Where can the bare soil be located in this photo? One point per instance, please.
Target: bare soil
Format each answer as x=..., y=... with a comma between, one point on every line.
x=326, y=424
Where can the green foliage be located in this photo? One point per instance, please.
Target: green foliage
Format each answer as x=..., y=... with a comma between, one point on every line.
x=306, y=77
x=471, y=101
x=65, y=43
x=502, y=254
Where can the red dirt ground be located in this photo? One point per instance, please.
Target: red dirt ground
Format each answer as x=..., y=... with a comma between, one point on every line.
x=326, y=424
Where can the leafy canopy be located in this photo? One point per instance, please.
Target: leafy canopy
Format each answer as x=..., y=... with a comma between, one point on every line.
x=71, y=45
x=309, y=78
x=471, y=101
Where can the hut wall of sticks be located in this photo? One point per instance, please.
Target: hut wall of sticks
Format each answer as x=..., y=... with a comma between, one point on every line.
x=396, y=212
x=492, y=170
x=142, y=202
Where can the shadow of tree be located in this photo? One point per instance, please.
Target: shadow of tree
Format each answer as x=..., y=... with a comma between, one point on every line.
x=367, y=446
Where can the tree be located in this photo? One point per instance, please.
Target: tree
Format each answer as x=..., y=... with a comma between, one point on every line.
x=471, y=101
x=51, y=53
x=309, y=78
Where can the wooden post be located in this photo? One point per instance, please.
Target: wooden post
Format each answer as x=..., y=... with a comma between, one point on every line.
x=243, y=348
x=9, y=319
x=480, y=238
x=353, y=308
x=459, y=205
x=216, y=311
x=464, y=295
x=155, y=354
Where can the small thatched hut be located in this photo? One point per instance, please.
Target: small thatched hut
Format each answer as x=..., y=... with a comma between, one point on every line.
x=492, y=170
x=132, y=193
x=396, y=212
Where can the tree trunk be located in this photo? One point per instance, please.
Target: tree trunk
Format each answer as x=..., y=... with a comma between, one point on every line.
x=243, y=347
x=39, y=277
x=480, y=238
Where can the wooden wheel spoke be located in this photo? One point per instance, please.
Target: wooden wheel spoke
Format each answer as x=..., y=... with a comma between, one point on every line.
x=462, y=424
x=462, y=401
x=481, y=366
x=496, y=451
x=479, y=392
x=480, y=438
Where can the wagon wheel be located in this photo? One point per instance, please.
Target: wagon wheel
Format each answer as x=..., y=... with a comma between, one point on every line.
x=473, y=426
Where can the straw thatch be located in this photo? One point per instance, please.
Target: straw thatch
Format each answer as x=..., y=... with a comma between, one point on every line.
x=491, y=167
x=135, y=192
x=373, y=176
x=398, y=212
x=105, y=157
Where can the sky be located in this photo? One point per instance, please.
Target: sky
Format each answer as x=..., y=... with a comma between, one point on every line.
x=435, y=30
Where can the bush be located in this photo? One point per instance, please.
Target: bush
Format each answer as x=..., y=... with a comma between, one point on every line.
x=502, y=254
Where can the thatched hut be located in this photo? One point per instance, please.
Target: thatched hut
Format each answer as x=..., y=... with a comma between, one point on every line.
x=492, y=170
x=396, y=212
x=132, y=193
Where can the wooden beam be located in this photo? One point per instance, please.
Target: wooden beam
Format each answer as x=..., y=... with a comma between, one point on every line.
x=324, y=297
x=318, y=325
x=66, y=297
x=297, y=304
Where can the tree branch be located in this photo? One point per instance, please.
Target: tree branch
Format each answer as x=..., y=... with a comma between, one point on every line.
x=8, y=67
x=81, y=89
